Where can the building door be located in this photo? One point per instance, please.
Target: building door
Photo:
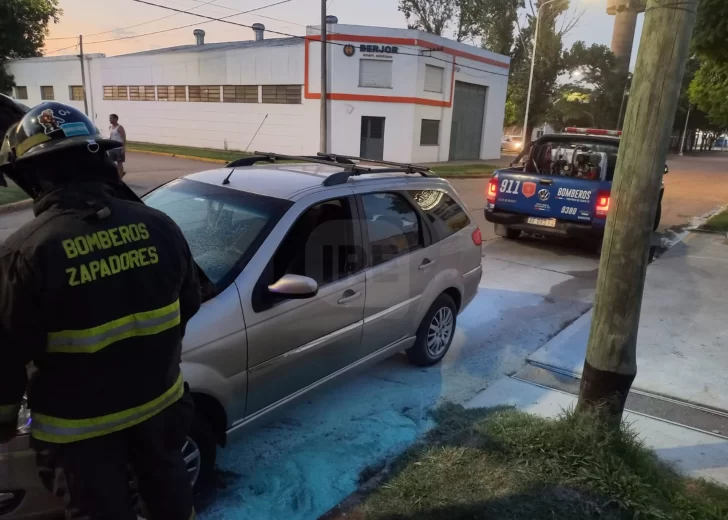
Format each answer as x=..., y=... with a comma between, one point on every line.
x=468, y=113
x=372, y=138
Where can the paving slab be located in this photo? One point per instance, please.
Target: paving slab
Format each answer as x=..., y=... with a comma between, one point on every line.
x=683, y=334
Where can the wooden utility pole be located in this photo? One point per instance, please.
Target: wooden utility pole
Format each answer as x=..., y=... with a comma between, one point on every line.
x=610, y=365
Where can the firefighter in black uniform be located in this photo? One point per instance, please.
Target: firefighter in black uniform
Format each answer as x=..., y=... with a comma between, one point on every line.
x=95, y=292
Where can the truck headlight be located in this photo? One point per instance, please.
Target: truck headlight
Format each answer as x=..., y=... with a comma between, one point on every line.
x=24, y=419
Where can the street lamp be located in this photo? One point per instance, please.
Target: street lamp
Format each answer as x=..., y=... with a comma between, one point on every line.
x=533, y=62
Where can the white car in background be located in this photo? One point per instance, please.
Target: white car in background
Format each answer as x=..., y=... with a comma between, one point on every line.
x=512, y=143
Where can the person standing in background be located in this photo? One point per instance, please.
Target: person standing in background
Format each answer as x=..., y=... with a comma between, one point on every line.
x=117, y=133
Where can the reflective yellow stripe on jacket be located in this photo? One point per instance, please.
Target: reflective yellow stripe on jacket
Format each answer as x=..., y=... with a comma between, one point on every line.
x=92, y=340
x=62, y=431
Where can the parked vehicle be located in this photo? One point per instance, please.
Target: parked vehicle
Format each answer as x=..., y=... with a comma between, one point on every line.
x=512, y=143
x=563, y=187
x=313, y=271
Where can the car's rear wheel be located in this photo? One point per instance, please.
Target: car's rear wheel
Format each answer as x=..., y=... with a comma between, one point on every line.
x=435, y=334
x=506, y=232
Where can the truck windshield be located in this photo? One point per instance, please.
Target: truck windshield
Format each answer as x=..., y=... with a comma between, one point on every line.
x=587, y=159
x=224, y=227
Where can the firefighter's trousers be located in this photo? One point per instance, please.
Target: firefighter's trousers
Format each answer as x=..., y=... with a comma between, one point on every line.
x=98, y=472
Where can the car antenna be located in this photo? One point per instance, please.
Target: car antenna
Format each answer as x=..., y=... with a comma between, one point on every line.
x=227, y=179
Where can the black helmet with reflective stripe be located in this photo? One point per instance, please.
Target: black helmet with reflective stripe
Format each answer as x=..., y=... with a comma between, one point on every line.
x=41, y=142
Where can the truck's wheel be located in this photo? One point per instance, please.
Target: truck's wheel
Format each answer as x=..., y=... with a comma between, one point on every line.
x=658, y=215
x=435, y=333
x=506, y=232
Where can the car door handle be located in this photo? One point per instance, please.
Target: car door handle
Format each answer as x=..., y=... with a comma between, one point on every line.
x=349, y=296
x=548, y=182
x=426, y=263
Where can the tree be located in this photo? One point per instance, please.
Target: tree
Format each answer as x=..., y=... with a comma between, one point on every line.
x=496, y=22
x=23, y=29
x=431, y=16
x=709, y=86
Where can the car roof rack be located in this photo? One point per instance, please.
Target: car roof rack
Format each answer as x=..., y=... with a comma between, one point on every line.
x=346, y=162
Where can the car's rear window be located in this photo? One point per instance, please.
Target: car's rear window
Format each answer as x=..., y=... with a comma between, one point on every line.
x=574, y=158
x=224, y=227
x=445, y=215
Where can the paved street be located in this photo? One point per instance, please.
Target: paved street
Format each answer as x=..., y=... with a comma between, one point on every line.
x=306, y=461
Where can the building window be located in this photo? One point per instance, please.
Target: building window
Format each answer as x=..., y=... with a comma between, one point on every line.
x=75, y=93
x=134, y=94
x=240, y=94
x=21, y=92
x=282, y=94
x=375, y=73
x=430, y=132
x=46, y=94
x=149, y=93
x=116, y=93
x=205, y=94
x=434, y=77
x=171, y=93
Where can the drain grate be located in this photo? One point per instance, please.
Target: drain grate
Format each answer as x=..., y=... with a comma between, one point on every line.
x=709, y=421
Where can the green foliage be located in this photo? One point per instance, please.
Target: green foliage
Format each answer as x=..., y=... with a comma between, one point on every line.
x=496, y=23
x=709, y=83
x=501, y=463
x=23, y=29
x=709, y=91
x=595, y=99
x=431, y=16
x=710, y=39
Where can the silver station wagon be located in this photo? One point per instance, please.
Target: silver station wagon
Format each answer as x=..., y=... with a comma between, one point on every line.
x=313, y=269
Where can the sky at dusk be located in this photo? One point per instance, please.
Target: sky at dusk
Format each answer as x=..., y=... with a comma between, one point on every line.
x=114, y=19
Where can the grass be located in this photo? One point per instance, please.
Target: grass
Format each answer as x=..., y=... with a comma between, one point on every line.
x=206, y=153
x=505, y=464
x=465, y=170
x=11, y=194
x=448, y=170
x=718, y=223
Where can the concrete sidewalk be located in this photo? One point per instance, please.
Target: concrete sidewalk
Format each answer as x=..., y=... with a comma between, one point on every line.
x=683, y=334
x=679, y=401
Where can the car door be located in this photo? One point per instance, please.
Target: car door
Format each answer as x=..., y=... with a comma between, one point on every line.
x=400, y=265
x=292, y=344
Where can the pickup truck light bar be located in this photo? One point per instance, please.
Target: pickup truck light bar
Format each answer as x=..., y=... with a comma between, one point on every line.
x=592, y=131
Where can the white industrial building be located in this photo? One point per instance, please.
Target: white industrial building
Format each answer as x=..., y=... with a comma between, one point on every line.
x=400, y=95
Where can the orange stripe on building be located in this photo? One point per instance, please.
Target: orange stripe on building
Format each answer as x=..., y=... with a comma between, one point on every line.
x=391, y=40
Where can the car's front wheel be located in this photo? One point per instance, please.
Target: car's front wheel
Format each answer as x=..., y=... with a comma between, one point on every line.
x=200, y=453
x=435, y=334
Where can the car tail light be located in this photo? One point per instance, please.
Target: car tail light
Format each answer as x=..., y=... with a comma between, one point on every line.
x=492, y=190
x=477, y=237
x=603, y=198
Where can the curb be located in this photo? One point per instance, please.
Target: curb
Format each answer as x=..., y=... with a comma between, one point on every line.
x=180, y=156
x=16, y=206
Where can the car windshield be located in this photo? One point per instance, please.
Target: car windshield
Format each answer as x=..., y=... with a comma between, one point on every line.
x=224, y=227
x=572, y=157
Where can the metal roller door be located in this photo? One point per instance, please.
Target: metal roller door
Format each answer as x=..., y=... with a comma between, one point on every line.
x=468, y=113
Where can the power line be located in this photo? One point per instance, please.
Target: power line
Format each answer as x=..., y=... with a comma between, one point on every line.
x=224, y=20
x=209, y=2
x=63, y=49
x=197, y=24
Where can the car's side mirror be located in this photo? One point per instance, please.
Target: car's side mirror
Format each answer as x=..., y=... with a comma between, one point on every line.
x=667, y=170
x=293, y=286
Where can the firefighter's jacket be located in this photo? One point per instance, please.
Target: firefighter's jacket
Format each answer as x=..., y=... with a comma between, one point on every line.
x=95, y=292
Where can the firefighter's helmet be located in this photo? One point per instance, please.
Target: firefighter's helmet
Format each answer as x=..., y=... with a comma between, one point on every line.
x=40, y=142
